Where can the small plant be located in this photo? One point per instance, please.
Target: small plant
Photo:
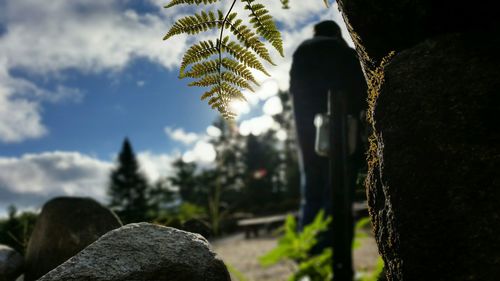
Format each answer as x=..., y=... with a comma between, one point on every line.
x=296, y=246
x=376, y=275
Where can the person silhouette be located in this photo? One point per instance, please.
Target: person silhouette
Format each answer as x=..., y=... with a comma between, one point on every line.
x=321, y=64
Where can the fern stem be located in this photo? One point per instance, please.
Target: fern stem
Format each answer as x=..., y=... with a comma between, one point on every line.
x=220, y=44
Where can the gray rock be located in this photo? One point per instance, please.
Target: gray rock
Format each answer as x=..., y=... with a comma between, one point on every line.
x=11, y=263
x=374, y=24
x=436, y=195
x=144, y=251
x=65, y=226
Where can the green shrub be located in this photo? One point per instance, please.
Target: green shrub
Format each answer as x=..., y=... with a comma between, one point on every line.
x=296, y=246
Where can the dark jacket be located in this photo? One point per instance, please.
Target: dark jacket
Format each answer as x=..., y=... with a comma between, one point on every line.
x=320, y=64
x=323, y=63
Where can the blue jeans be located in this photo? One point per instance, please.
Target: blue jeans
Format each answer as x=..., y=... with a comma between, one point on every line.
x=314, y=170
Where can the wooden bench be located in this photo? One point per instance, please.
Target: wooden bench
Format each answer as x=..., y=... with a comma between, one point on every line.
x=252, y=225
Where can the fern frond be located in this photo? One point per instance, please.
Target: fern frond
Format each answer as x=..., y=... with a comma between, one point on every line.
x=203, y=68
x=232, y=91
x=220, y=95
x=198, y=52
x=196, y=24
x=226, y=76
x=236, y=80
x=264, y=24
x=242, y=54
x=224, y=64
x=238, y=68
x=224, y=89
x=286, y=4
x=190, y=2
x=247, y=37
x=213, y=66
x=207, y=80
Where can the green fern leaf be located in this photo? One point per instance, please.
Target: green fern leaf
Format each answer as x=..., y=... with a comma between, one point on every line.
x=209, y=67
x=231, y=91
x=207, y=80
x=239, y=69
x=215, y=79
x=242, y=54
x=196, y=24
x=224, y=89
x=198, y=52
x=224, y=65
x=203, y=68
x=264, y=24
x=247, y=37
x=236, y=80
x=190, y=2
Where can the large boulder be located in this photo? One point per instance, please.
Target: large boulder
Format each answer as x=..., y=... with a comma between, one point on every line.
x=382, y=26
x=433, y=181
x=65, y=226
x=144, y=251
x=11, y=263
x=435, y=204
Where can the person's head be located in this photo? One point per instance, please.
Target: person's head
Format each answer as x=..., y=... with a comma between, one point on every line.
x=327, y=28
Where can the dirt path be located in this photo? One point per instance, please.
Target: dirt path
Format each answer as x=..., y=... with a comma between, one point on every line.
x=243, y=254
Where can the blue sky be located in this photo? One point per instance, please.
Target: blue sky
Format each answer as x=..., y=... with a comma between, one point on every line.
x=76, y=77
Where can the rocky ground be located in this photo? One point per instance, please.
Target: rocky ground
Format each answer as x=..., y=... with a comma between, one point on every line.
x=242, y=254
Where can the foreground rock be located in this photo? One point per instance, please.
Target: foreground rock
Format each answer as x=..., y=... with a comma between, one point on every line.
x=436, y=207
x=379, y=27
x=433, y=181
x=11, y=263
x=144, y=251
x=65, y=227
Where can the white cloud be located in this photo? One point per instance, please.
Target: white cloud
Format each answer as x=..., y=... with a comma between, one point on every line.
x=203, y=153
x=213, y=131
x=91, y=36
x=155, y=166
x=239, y=107
x=31, y=179
x=87, y=35
x=181, y=136
x=19, y=119
x=273, y=106
x=257, y=125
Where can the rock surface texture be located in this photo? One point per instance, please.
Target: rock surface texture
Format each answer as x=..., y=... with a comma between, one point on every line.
x=65, y=226
x=11, y=263
x=382, y=26
x=144, y=251
x=433, y=184
x=439, y=199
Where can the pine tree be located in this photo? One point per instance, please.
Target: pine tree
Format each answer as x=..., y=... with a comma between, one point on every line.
x=185, y=178
x=128, y=187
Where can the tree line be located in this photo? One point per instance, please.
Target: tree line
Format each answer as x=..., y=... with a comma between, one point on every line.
x=251, y=174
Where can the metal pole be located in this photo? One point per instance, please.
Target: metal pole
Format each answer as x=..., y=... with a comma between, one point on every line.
x=342, y=223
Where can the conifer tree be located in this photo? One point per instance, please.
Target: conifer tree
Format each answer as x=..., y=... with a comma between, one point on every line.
x=185, y=178
x=128, y=187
